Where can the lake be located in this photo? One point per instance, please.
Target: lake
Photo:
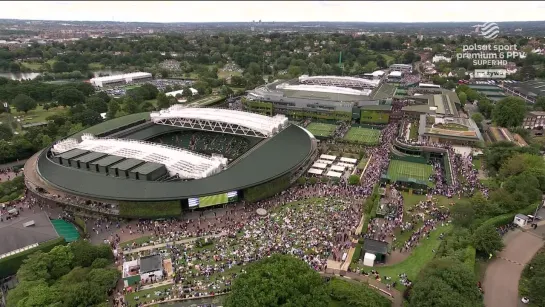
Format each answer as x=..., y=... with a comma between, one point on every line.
x=32, y=75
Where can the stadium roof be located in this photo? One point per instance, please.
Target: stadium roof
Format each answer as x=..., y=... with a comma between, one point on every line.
x=262, y=124
x=529, y=88
x=273, y=158
x=16, y=236
x=121, y=77
x=325, y=89
x=180, y=162
x=339, y=81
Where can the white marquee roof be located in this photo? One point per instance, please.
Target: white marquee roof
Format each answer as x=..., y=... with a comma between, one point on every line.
x=339, y=79
x=328, y=157
x=261, y=123
x=334, y=174
x=349, y=160
x=338, y=168
x=395, y=74
x=315, y=171
x=121, y=77
x=184, y=163
x=325, y=89
x=319, y=165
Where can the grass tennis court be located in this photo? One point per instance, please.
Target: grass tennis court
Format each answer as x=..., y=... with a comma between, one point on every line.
x=403, y=169
x=66, y=230
x=363, y=136
x=321, y=129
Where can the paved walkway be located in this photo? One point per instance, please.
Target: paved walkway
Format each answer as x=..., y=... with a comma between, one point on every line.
x=502, y=275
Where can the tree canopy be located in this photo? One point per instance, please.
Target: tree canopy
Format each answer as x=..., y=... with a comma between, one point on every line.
x=24, y=103
x=509, y=112
x=279, y=280
x=70, y=275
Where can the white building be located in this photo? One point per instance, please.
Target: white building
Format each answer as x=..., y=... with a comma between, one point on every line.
x=121, y=79
x=438, y=58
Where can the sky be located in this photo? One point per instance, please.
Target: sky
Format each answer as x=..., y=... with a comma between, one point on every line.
x=247, y=11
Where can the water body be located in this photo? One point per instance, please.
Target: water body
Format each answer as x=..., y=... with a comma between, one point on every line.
x=32, y=75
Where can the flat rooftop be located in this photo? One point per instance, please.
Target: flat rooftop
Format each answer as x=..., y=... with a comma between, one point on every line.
x=147, y=168
x=15, y=235
x=109, y=160
x=151, y=263
x=127, y=164
x=90, y=157
x=73, y=153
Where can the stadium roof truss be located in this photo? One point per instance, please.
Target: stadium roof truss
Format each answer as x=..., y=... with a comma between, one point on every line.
x=221, y=120
x=180, y=162
x=339, y=81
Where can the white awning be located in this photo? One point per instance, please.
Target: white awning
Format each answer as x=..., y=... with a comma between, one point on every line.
x=319, y=165
x=315, y=171
x=324, y=162
x=349, y=160
x=334, y=174
x=337, y=168
x=328, y=157
x=349, y=166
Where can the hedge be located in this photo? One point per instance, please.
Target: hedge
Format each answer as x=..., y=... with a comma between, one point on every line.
x=267, y=189
x=10, y=264
x=153, y=210
x=357, y=253
x=370, y=208
x=78, y=221
x=505, y=219
x=469, y=257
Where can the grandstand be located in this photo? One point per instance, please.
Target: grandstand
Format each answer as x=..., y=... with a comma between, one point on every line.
x=319, y=97
x=220, y=120
x=338, y=81
x=181, y=163
x=121, y=79
x=211, y=143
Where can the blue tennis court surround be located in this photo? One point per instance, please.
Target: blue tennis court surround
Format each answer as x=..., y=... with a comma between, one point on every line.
x=66, y=230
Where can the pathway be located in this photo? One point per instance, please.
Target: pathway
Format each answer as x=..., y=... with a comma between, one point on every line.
x=502, y=275
x=188, y=240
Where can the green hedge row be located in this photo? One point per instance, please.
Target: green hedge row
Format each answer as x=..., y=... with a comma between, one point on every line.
x=10, y=264
x=370, y=208
x=78, y=221
x=267, y=189
x=152, y=210
x=505, y=219
x=12, y=189
x=469, y=257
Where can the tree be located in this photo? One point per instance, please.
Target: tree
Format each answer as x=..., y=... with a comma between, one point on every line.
x=487, y=240
x=355, y=294
x=60, y=66
x=96, y=104
x=5, y=132
x=113, y=108
x=477, y=118
x=226, y=91
x=445, y=282
x=24, y=103
x=162, y=101
x=69, y=96
x=279, y=280
x=463, y=214
x=509, y=112
x=540, y=104
x=463, y=98
x=354, y=179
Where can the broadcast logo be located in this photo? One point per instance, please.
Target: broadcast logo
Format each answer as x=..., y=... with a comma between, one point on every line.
x=488, y=30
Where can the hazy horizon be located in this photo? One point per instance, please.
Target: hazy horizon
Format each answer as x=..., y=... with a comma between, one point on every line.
x=275, y=11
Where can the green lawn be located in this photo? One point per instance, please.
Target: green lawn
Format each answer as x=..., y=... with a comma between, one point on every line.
x=419, y=257
x=140, y=240
x=410, y=170
x=96, y=66
x=410, y=201
x=362, y=163
x=32, y=65
x=37, y=115
x=142, y=295
x=413, y=132
x=223, y=74
x=477, y=163
x=363, y=136
x=455, y=127
x=321, y=129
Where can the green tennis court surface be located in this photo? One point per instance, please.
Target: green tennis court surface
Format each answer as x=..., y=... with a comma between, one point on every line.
x=363, y=136
x=410, y=170
x=321, y=129
x=66, y=230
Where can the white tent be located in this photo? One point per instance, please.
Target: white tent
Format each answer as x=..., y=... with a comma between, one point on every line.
x=319, y=165
x=369, y=259
x=334, y=174
x=338, y=168
x=325, y=161
x=349, y=166
x=328, y=157
x=349, y=160
x=315, y=171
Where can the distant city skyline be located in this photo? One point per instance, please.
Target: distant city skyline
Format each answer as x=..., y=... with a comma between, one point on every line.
x=279, y=11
